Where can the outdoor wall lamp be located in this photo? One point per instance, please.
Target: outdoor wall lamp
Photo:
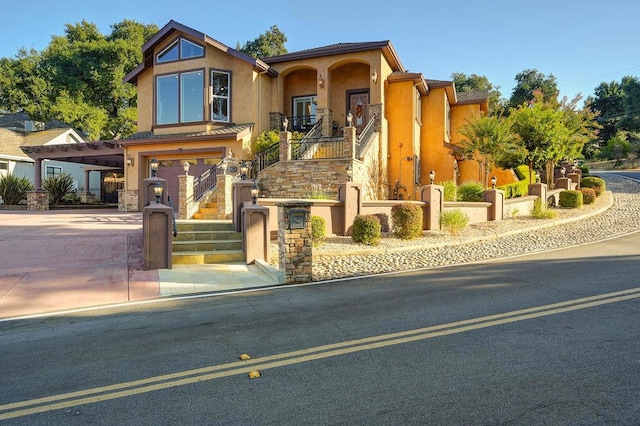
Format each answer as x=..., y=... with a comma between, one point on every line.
x=349, y=119
x=130, y=160
x=254, y=192
x=374, y=76
x=321, y=82
x=154, y=166
x=285, y=124
x=432, y=176
x=157, y=190
x=537, y=177
x=186, y=167
x=494, y=180
x=350, y=173
x=244, y=169
x=562, y=171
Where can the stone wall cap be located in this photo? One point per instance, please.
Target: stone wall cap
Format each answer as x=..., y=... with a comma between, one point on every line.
x=295, y=203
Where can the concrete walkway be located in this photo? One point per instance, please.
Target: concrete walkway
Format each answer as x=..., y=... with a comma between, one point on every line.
x=70, y=259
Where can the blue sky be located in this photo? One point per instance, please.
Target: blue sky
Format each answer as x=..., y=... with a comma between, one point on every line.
x=580, y=42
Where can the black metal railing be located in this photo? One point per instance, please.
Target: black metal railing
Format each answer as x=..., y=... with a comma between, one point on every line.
x=173, y=217
x=302, y=123
x=205, y=182
x=323, y=147
x=267, y=157
x=365, y=137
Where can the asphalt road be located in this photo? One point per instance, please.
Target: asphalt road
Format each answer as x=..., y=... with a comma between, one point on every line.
x=549, y=338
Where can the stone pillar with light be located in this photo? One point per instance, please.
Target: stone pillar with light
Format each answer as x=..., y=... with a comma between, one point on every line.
x=285, y=142
x=349, y=147
x=157, y=231
x=433, y=197
x=295, y=242
x=496, y=198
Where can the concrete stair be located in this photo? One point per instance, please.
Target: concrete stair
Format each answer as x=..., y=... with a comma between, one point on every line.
x=208, y=212
x=202, y=241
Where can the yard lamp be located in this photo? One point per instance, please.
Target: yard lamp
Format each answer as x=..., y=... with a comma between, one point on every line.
x=349, y=119
x=254, y=192
x=244, y=169
x=285, y=124
x=537, y=176
x=157, y=190
x=494, y=180
x=350, y=173
x=432, y=176
x=154, y=166
x=562, y=171
x=186, y=167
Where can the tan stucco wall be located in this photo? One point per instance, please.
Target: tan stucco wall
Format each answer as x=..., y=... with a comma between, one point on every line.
x=434, y=154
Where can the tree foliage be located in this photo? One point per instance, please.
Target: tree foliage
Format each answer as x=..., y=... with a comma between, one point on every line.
x=271, y=43
x=77, y=79
x=472, y=82
x=530, y=81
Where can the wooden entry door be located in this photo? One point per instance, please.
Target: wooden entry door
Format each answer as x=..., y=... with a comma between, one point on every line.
x=359, y=108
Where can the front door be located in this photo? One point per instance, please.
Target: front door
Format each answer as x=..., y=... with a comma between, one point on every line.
x=359, y=108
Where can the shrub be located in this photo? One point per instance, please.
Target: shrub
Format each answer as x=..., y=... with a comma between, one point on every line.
x=539, y=211
x=516, y=189
x=571, y=199
x=598, y=184
x=58, y=187
x=453, y=221
x=585, y=170
x=318, y=230
x=366, y=230
x=13, y=189
x=450, y=190
x=266, y=139
x=470, y=191
x=588, y=195
x=406, y=220
x=384, y=221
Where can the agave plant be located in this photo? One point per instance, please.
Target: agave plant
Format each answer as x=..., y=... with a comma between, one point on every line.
x=13, y=189
x=58, y=187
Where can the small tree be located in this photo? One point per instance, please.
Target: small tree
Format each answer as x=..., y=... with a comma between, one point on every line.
x=13, y=190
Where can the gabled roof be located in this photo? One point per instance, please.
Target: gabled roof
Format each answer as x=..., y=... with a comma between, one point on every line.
x=10, y=143
x=342, y=48
x=169, y=30
x=473, y=96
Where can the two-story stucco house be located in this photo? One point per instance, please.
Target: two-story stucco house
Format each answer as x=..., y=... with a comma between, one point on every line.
x=201, y=101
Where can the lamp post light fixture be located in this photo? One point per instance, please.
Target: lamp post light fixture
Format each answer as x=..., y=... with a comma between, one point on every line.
x=244, y=169
x=285, y=124
x=537, y=176
x=432, y=176
x=349, y=119
x=350, y=172
x=157, y=190
x=186, y=167
x=562, y=171
x=255, y=190
x=154, y=163
x=494, y=180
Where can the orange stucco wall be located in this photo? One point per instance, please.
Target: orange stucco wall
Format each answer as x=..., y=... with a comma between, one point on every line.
x=434, y=154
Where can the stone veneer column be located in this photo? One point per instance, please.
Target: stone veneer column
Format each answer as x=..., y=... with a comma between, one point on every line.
x=295, y=245
x=349, y=149
x=224, y=196
x=37, y=200
x=285, y=146
x=185, y=197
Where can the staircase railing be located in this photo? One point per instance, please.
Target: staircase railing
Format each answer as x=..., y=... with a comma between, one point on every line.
x=173, y=217
x=366, y=136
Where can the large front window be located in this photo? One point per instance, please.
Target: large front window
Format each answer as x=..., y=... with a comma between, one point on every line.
x=220, y=96
x=304, y=112
x=179, y=98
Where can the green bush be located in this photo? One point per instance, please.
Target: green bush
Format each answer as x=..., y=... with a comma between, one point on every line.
x=540, y=211
x=406, y=220
x=384, y=221
x=571, y=199
x=13, y=189
x=366, y=230
x=266, y=139
x=318, y=230
x=585, y=170
x=588, y=195
x=516, y=189
x=470, y=191
x=58, y=187
x=450, y=190
x=598, y=184
x=522, y=171
x=453, y=221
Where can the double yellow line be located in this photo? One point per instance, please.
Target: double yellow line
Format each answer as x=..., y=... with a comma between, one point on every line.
x=151, y=384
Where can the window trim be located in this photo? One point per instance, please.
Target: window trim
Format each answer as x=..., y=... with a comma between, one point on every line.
x=178, y=42
x=180, y=121
x=212, y=96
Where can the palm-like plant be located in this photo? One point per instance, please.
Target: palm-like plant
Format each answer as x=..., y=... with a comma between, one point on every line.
x=13, y=189
x=58, y=187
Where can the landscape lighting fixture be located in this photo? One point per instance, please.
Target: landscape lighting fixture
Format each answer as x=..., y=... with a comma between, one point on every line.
x=254, y=192
x=285, y=124
x=494, y=180
x=185, y=167
x=349, y=119
x=244, y=169
x=432, y=176
x=157, y=190
x=154, y=166
x=563, y=171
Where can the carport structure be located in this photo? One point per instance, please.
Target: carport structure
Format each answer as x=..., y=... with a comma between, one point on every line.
x=97, y=156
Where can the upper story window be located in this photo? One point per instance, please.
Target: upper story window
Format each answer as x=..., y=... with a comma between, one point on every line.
x=180, y=49
x=220, y=96
x=180, y=98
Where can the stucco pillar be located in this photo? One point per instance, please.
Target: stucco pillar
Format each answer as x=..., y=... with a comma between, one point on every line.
x=157, y=230
x=540, y=191
x=563, y=183
x=256, y=236
x=575, y=178
x=496, y=198
x=37, y=174
x=433, y=196
x=350, y=194
x=241, y=194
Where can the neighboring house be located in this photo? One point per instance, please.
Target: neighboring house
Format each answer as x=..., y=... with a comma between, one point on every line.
x=200, y=101
x=18, y=132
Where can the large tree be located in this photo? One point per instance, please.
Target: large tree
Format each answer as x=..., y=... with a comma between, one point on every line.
x=608, y=102
x=77, y=79
x=530, y=81
x=271, y=43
